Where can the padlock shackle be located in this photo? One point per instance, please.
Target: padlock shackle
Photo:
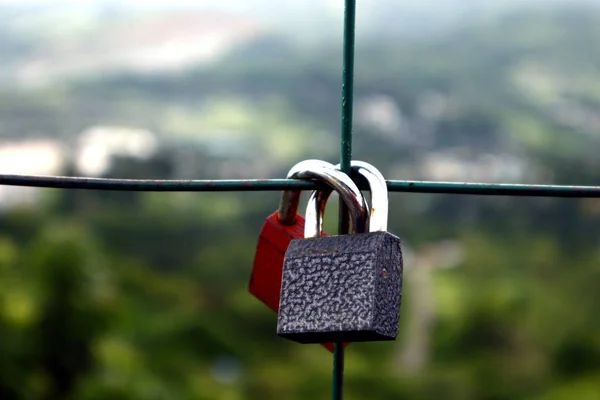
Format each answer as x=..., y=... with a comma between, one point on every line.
x=338, y=181
x=290, y=199
x=317, y=202
x=378, y=217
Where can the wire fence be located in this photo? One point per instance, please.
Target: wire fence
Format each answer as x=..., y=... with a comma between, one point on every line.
x=261, y=185
x=464, y=188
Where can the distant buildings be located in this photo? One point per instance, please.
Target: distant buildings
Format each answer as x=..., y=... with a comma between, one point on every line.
x=453, y=166
x=92, y=156
x=383, y=116
x=225, y=154
x=98, y=144
x=382, y=113
x=28, y=157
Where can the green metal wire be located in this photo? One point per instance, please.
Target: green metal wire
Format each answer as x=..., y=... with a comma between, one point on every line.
x=345, y=159
x=243, y=185
x=347, y=86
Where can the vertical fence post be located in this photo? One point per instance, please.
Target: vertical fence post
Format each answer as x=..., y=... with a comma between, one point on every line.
x=345, y=159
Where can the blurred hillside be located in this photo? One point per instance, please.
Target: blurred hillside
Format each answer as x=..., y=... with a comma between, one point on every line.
x=38, y=34
x=507, y=88
x=143, y=295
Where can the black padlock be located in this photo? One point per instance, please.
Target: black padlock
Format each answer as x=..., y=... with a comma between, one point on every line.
x=345, y=288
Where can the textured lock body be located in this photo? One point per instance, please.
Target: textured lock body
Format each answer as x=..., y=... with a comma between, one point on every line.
x=344, y=288
x=274, y=239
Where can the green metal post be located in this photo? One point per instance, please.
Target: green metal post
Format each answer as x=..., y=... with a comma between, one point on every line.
x=345, y=159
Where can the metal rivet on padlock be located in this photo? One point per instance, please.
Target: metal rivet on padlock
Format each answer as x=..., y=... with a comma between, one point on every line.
x=344, y=288
x=286, y=224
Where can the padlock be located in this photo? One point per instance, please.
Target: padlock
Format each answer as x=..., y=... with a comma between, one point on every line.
x=345, y=288
x=286, y=224
x=281, y=227
x=315, y=208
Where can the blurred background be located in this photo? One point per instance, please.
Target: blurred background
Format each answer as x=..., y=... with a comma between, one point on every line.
x=108, y=295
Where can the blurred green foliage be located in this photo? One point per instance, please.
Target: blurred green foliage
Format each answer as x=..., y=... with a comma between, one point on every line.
x=153, y=305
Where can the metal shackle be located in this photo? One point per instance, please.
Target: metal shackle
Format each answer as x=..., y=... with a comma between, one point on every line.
x=290, y=199
x=315, y=210
x=336, y=180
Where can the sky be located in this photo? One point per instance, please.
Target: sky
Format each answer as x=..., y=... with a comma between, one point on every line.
x=273, y=6
x=238, y=6
x=162, y=3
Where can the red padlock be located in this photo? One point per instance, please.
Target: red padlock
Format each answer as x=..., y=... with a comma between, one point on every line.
x=284, y=225
x=275, y=237
x=279, y=229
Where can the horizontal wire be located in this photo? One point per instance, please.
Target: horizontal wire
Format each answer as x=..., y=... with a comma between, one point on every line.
x=231, y=185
